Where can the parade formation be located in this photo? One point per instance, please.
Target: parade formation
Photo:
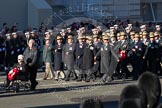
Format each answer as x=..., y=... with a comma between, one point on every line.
x=92, y=51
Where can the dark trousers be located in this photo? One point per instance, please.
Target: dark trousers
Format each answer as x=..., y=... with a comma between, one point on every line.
x=122, y=68
x=90, y=74
x=158, y=66
x=70, y=72
x=96, y=69
x=81, y=74
x=137, y=67
x=32, y=77
x=153, y=65
x=145, y=66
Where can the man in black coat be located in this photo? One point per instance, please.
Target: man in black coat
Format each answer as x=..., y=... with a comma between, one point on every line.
x=136, y=50
x=79, y=51
x=9, y=53
x=145, y=42
x=58, y=64
x=97, y=44
x=68, y=57
x=152, y=53
x=31, y=58
x=88, y=59
x=105, y=53
x=159, y=43
x=114, y=44
x=16, y=46
x=124, y=44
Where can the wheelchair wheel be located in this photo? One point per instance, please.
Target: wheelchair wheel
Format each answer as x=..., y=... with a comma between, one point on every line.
x=6, y=86
x=26, y=87
x=16, y=87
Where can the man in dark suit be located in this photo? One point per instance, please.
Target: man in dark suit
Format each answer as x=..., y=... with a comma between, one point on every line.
x=122, y=68
x=158, y=41
x=136, y=50
x=58, y=64
x=79, y=51
x=69, y=57
x=145, y=42
x=152, y=53
x=88, y=59
x=105, y=53
x=31, y=58
x=115, y=56
x=97, y=44
x=16, y=46
x=9, y=53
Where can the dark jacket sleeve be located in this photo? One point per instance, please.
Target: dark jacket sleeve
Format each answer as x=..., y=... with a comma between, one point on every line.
x=25, y=55
x=114, y=54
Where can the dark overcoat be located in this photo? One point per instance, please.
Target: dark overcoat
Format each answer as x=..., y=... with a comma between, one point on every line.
x=58, y=64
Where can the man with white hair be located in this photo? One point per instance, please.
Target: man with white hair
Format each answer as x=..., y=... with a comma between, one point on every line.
x=31, y=59
x=95, y=31
x=158, y=29
x=143, y=28
x=99, y=30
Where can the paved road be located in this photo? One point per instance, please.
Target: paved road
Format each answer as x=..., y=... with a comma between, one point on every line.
x=61, y=94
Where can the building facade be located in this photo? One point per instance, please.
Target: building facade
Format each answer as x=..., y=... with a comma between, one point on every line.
x=33, y=12
x=141, y=10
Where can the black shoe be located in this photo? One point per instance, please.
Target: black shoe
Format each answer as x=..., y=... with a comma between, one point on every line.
x=36, y=83
x=103, y=81
x=7, y=88
x=78, y=80
x=32, y=89
x=73, y=78
x=135, y=78
x=109, y=79
x=87, y=80
x=93, y=77
x=123, y=76
x=84, y=77
x=67, y=79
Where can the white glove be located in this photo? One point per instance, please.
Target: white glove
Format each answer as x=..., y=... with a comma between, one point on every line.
x=18, y=50
x=23, y=49
x=12, y=52
x=4, y=49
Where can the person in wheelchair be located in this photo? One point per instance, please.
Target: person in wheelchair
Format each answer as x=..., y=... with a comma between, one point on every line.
x=18, y=72
x=22, y=67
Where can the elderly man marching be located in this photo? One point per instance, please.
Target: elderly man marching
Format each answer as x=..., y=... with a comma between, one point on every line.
x=58, y=64
x=88, y=59
x=47, y=58
x=31, y=59
x=105, y=53
x=79, y=52
x=68, y=57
